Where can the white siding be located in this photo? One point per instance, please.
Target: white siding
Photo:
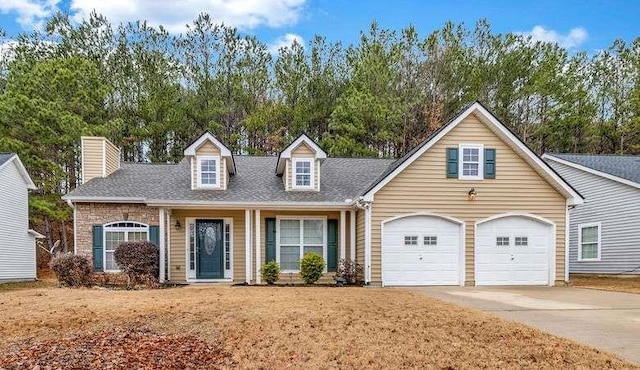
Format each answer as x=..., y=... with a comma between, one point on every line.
x=17, y=247
x=617, y=207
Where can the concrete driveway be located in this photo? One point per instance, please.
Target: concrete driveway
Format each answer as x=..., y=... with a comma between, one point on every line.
x=606, y=320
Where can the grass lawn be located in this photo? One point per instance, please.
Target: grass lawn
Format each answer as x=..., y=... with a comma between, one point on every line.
x=618, y=284
x=297, y=327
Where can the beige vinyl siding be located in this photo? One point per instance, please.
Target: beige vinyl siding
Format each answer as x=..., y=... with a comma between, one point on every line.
x=91, y=157
x=112, y=159
x=178, y=264
x=208, y=149
x=423, y=187
x=360, y=238
x=264, y=214
x=302, y=151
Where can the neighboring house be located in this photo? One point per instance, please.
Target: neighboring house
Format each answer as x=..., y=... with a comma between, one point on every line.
x=17, y=241
x=470, y=205
x=605, y=230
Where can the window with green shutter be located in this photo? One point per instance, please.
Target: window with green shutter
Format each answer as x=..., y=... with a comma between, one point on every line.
x=332, y=245
x=452, y=163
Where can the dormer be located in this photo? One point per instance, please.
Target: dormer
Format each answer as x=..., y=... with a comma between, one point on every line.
x=299, y=165
x=211, y=163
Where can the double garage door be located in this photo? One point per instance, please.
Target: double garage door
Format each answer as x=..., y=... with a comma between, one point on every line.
x=428, y=250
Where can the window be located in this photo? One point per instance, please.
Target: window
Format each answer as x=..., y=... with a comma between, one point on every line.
x=208, y=172
x=298, y=237
x=411, y=240
x=192, y=246
x=117, y=233
x=227, y=246
x=471, y=165
x=589, y=236
x=521, y=241
x=502, y=241
x=303, y=173
x=430, y=240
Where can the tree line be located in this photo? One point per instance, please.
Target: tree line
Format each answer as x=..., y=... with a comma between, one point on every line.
x=152, y=93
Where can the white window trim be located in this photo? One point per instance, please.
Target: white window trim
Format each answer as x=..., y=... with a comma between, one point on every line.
x=325, y=246
x=311, y=185
x=480, y=148
x=191, y=274
x=582, y=226
x=107, y=228
x=199, y=171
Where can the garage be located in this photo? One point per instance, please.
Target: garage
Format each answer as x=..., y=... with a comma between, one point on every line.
x=514, y=250
x=422, y=250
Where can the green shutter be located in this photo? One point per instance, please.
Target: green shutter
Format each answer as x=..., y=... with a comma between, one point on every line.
x=452, y=163
x=97, y=246
x=489, y=163
x=154, y=235
x=270, y=239
x=332, y=244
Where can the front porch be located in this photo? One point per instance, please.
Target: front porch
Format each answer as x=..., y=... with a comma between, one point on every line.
x=230, y=245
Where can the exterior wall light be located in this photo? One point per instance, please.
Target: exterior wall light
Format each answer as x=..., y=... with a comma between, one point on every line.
x=472, y=194
x=177, y=225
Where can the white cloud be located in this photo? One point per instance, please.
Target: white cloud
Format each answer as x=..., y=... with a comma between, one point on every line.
x=285, y=41
x=174, y=15
x=575, y=37
x=30, y=13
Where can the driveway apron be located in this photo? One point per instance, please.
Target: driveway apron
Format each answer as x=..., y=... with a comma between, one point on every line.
x=606, y=320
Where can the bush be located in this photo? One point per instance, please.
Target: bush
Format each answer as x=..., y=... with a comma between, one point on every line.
x=349, y=270
x=140, y=261
x=72, y=270
x=311, y=267
x=270, y=272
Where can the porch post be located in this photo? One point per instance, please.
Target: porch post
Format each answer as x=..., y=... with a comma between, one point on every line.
x=367, y=243
x=247, y=245
x=352, y=234
x=162, y=245
x=258, y=251
x=343, y=234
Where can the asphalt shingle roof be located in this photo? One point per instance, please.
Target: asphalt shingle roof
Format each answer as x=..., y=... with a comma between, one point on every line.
x=5, y=157
x=255, y=181
x=623, y=166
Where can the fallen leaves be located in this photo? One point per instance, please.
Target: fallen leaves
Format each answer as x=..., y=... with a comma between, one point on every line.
x=118, y=348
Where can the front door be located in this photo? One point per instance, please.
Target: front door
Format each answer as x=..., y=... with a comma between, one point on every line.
x=209, y=244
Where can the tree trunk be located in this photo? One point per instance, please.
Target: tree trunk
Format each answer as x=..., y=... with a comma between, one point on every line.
x=63, y=235
x=47, y=232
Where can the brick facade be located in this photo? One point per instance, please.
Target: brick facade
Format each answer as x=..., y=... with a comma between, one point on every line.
x=89, y=214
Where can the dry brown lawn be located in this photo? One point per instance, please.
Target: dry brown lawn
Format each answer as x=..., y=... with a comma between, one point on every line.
x=298, y=327
x=618, y=284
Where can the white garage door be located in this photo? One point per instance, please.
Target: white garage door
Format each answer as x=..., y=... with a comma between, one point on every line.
x=421, y=250
x=513, y=250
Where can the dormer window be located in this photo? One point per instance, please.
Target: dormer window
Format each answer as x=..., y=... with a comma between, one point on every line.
x=303, y=173
x=208, y=172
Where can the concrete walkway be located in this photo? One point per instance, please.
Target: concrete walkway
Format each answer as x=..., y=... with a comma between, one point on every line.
x=606, y=320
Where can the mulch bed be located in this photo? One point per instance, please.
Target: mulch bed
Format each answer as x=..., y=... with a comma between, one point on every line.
x=120, y=348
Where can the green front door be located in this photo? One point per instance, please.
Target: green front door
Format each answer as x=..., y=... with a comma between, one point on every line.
x=210, y=249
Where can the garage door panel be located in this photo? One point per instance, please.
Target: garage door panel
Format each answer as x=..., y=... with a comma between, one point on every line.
x=523, y=264
x=421, y=264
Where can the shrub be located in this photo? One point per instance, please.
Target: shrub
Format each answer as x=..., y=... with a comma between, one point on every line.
x=140, y=261
x=72, y=270
x=311, y=267
x=270, y=272
x=349, y=270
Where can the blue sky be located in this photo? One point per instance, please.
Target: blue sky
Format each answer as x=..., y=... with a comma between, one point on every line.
x=578, y=25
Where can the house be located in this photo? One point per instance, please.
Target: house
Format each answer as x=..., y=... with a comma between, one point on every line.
x=603, y=233
x=471, y=205
x=17, y=241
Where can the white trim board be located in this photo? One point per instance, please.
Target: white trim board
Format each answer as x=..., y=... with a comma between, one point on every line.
x=591, y=170
x=489, y=119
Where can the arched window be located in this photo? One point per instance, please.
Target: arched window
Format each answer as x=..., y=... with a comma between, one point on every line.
x=119, y=232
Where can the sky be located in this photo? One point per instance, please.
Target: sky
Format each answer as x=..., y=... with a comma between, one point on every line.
x=579, y=25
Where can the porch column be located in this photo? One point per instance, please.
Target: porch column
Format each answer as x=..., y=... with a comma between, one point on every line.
x=162, y=245
x=247, y=245
x=258, y=251
x=343, y=234
x=367, y=243
x=352, y=234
